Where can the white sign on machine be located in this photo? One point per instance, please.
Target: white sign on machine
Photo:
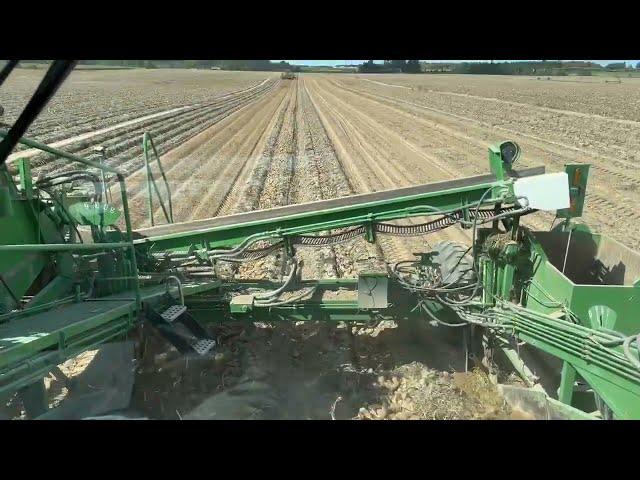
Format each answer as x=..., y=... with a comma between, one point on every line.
x=544, y=192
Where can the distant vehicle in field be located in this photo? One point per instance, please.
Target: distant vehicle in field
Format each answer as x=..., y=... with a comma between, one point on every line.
x=288, y=75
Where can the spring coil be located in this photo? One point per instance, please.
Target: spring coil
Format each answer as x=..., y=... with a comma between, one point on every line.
x=382, y=228
x=331, y=239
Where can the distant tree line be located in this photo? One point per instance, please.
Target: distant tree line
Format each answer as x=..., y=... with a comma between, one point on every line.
x=543, y=67
x=262, y=65
x=391, y=66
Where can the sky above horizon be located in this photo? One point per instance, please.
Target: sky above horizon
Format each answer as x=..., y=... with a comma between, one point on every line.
x=358, y=62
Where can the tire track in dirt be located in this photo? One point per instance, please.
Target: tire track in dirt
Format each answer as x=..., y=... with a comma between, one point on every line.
x=80, y=136
x=270, y=182
x=529, y=106
x=241, y=163
x=124, y=147
x=468, y=132
x=193, y=168
x=354, y=163
x=453, y=153
x=410, y=163
x=175, y=161
x=218, y=173
x=376, y=165
x=319, y=176
x=552, y=146
x=286, y=182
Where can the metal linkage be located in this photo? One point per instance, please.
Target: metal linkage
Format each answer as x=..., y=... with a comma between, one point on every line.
x=582, y=344
x=243, y=254
x=404, y=230
x=326, y=240
x=168, y=215
x=251, y=255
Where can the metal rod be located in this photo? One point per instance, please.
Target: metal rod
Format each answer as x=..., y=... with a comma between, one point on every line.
x=59, y=153
x=149, y=179
x=129, y=237
x=146, y=139
x=63, y=247
x=179, y=283
x=102, y=176
x=164, y=177
x=566, y=253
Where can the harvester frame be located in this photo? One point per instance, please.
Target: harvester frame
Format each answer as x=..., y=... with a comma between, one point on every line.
x=65, y=290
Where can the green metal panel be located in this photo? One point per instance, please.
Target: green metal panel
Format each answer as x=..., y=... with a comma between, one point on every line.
x=93, y=213
x=550, y=289
x=578, y=174
x=227, y=234
x=495, y=162
x=19, y=270
x=23, y=337
x=623, y=300
x=26, y=182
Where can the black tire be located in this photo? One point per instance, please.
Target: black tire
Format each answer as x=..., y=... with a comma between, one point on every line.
x=455, y=263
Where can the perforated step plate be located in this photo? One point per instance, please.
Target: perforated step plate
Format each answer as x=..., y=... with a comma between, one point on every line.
x=173, y=312
x=202, y=347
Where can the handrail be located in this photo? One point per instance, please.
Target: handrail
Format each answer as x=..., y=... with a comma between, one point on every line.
x=63, y=247
x=125, y=206
x=146, y=140
x=29, y=142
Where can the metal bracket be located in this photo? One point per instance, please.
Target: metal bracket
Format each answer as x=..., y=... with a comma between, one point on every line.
x=372, y=290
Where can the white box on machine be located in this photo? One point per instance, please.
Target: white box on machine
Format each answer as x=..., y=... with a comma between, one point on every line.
x=549, y=191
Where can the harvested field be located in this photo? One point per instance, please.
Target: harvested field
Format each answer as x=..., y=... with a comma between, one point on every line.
x=114, y=108
x=232, y=142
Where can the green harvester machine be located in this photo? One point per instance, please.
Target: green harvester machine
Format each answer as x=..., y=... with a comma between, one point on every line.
x=75, y=275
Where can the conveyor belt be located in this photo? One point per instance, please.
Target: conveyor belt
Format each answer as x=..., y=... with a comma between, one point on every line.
x=27, y=336
x=146, y=234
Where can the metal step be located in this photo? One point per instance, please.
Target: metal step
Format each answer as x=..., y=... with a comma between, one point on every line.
x=182, y=330
x=203, y=346
x=173, y=312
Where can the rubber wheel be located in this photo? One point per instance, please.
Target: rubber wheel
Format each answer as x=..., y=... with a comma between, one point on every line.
x=455, y=263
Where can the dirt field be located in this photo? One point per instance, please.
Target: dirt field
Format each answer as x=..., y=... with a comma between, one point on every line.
x=233, y=142
x=236, y=141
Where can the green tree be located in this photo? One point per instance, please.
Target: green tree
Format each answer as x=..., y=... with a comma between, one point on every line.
x=399, y=65
x=616, y=66
x=413, y=66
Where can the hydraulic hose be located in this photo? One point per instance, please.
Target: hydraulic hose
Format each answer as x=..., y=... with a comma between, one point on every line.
x=287, y=282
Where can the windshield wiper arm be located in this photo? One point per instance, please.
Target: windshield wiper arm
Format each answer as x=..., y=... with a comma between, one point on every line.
x=52, y=80
x=7, y=69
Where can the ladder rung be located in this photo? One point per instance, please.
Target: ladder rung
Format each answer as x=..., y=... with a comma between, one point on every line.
x=173, y=312
x=203, y=346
